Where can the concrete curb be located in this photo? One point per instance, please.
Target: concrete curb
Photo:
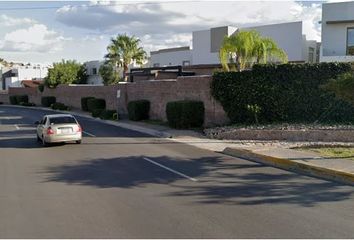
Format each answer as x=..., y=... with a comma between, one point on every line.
x=286, y=164
x=132, y=127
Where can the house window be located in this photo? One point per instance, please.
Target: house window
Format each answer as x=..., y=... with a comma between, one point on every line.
x=311, y=54
x=94, y=71
x=350, y=41
x=186, y=63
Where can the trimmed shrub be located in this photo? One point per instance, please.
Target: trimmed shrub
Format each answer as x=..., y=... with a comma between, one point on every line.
x=41, y=87
x=138, y=110
x=48, y=101
x=59, y=106
x=21, y=99
x=27, y=104
x=13, y=100
x=1, y=103
x=109, y=115
x=96, y=103
x=291, y=93
x=84, y=100
x=185, y=114
x=96, y=112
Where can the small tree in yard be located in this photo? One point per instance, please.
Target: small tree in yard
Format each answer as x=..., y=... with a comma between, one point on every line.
x=108, y=74
x=66, y=72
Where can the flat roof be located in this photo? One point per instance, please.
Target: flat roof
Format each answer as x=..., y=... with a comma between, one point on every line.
x=170, y=50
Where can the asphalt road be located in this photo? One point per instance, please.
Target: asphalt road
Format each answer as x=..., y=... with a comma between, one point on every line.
x=123, y=184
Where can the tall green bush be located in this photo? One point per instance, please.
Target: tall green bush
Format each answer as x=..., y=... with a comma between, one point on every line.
x=22, y=99
x=138, y=110
x=47, y=101
x=96, y=103
x=84, y=100
x=185, y=114
x=13, y=100
x=282, y=93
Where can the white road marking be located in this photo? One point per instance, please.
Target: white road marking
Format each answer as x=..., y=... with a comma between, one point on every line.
x=91, y=135
x=17, y=127
x=171, y=170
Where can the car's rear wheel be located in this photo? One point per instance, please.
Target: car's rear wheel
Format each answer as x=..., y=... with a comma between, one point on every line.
x=78, y=141
x=38, y=138
x=44, y=143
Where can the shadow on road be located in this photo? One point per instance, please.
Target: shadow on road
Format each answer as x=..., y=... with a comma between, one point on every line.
x=219, y=181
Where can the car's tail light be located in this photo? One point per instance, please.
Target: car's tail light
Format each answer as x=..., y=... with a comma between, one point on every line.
x=50, y=131
x=79, y=129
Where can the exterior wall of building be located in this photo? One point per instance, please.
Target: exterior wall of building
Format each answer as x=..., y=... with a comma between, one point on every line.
x=288, y=36
x=180, y=56
x=92, y=70
x=206, y=44
x=336, y=18
x=158, y=92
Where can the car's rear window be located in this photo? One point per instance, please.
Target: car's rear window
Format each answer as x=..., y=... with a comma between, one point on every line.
x=62, y=120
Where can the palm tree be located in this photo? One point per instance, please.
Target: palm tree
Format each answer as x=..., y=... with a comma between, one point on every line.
x=246, y=48
x=124, y=50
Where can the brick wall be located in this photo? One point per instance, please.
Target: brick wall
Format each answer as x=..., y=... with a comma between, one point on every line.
x=4, y=97
x=158, y=92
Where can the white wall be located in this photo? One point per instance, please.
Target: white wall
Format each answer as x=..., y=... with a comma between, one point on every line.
x=288, y=36
x=201, y=51
x=334, y=35
x=30, y=73
x=170, y=58
x=92, y=77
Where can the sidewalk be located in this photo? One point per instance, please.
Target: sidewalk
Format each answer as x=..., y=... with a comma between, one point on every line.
x=273, y=153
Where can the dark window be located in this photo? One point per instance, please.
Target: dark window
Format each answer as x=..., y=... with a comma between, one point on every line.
x=62, y=120
x=350, y=41
x=94, y=71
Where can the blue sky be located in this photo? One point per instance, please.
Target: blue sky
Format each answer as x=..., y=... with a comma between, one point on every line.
x=48, y=31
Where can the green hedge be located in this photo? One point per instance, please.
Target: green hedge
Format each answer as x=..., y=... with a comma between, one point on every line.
x=60, y=106
x=96, y=112
x=95, y=103
x=282, y=93
x=84, y=100
x=185, y=114
x=22, y=99
x=41, y=87
x=138, y=110
x=48, y=101
x=13, y=100
x=109, y=115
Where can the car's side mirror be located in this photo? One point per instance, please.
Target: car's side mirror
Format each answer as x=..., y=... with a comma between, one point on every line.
x=36, y=122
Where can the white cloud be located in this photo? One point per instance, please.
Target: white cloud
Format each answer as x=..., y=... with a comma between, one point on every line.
x=171, y=24
x=8, y=21
x=36, y=38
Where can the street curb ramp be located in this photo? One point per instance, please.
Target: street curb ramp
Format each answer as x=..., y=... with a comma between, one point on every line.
x=286, y=164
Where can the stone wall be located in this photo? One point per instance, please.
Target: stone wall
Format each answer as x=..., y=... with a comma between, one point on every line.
x=4, y=97
x=158, y=92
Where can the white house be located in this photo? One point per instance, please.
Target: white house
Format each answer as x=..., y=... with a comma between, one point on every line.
x=337, y=32
x=13, y=77
x=172, y=56
x=289, y=36
x=206, y=44
x=92, y=71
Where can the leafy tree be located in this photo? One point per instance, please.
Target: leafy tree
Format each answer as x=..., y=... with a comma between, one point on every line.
x=342, y=87
x=66, y=72
x=246, y=48
x=124, y=50
x=108, y=74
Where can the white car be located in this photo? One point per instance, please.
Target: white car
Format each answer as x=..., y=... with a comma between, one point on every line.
x=57, y=128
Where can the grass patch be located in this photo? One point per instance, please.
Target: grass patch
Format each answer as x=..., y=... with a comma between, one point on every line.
x=333, y=152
